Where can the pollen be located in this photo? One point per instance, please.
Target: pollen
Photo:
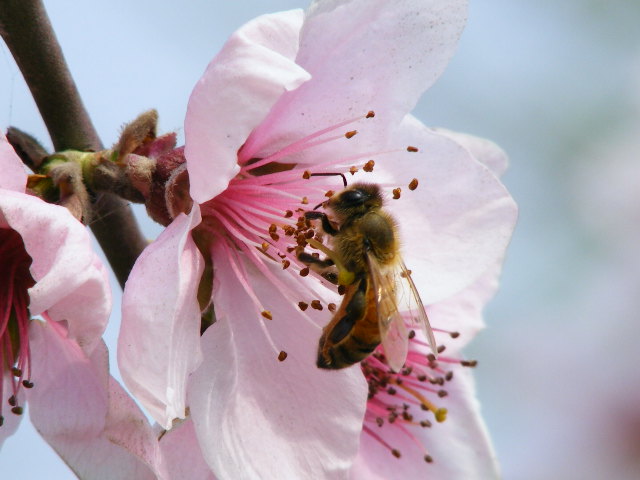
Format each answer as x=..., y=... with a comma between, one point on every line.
x=303, y=306
x=267, y=314
x=304, y=201
x=412, y=149
x=368, y=167
x=306, y=174
x=370, y=114
x=304, y=272
x=353, y=170
x=282, y=356
x=413, y=184
x=396, y=193
x=316, y=305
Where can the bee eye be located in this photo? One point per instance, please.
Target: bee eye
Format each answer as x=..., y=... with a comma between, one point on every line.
x=353, y=197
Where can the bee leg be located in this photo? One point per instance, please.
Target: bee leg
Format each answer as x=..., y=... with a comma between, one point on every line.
x=325, y=267
x=326, y=224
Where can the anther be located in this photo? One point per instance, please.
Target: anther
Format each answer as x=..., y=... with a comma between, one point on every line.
x=306, y=175
x=413, y=184
x=353, y=170
x=303, y=306
x=27, y=384
x=274, y=236
x=17, y=410
x=304, y=272
x=441, y=415
x=412, y=334
x=454, y=334
x=412, y=149
x=395, y=453
x=370, y=114
x=16, y=372
x=316, y=305
x=448, y=376
x=304, y=200
x=282, y=356
x=12, y=401
x=342, y=289
x=368, y=167
x=267, y=314
x=285, y=264
x=265, y=246
x=332, y=307
x=350, y=134
x=441, y=348
x=329, y=193
x=469, y=363
x=396, y=193
x=428, y=458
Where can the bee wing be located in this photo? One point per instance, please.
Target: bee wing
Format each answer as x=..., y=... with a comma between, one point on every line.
x=418, y=313
x=393, y=332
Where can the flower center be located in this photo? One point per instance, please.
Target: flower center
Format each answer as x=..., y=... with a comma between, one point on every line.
x=261, y=213
x=15, y=278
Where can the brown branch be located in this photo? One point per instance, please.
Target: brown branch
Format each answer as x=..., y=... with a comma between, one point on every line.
x=26, y=29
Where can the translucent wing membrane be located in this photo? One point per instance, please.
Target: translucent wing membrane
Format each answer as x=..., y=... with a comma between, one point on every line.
x=417, y=314
x=393, y=332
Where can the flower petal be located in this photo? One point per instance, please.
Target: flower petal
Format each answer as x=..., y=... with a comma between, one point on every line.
x=364, y=55
x=483, y=150
x=462, y=313
x=257, y=417
x=11, y=421
x=14, y=176
x=182, y=454
x=71, y=282
x=457, y=223
x=460, y=446
x=255, y=67
x=159, y=342
x=84, y=414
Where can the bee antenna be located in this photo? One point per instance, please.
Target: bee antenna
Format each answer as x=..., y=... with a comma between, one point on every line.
x=344, y=179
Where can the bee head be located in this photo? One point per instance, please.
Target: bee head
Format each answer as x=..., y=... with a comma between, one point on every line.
x=355, y=200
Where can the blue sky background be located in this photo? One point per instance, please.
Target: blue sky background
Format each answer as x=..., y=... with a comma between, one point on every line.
x=557, y=85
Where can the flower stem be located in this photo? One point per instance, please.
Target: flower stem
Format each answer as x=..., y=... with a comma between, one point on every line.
x=27, y=31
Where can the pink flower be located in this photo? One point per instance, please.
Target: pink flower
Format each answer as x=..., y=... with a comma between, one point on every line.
x=58, y=363
x=283, y=99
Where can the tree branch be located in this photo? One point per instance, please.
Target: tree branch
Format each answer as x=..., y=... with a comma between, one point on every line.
x=25, y=27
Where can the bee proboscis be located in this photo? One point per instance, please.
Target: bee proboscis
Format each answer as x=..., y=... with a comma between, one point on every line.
x=364, y=256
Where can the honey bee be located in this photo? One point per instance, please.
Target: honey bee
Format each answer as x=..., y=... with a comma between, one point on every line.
x=364, y=257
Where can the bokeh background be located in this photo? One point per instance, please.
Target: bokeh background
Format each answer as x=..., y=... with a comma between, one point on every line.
x=557, y=85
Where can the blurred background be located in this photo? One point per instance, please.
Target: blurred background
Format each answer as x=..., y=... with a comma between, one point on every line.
x=557, y=85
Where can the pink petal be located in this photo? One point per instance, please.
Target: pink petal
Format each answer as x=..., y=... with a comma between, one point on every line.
x=84, y=414
x=257, y=417
x=458, y=222
x=11, y=421
x=483, y=150
x=182, y=454
x=71, y=282
x=14, y=176
x=254, y=68
x=159, y=342
x=364, y=55
x=460, y=446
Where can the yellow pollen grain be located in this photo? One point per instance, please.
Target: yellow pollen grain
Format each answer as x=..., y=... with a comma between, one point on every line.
x=304, y=200
x=265, y=246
